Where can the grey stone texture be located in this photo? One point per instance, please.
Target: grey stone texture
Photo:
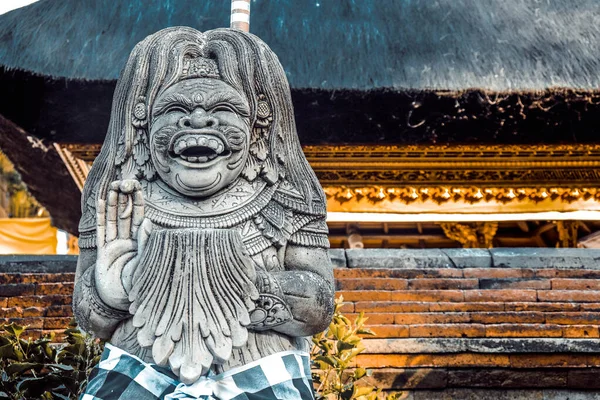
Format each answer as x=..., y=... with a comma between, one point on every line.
x=203, y=235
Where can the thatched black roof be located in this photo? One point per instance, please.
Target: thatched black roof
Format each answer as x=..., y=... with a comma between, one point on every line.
x=365, y=44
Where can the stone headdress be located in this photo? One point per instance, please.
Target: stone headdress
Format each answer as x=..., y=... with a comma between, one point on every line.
x=247, y=64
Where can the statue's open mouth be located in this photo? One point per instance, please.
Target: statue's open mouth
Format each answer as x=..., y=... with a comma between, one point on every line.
x=198, y=147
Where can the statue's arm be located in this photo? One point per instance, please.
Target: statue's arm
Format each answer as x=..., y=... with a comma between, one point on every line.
x=92, y=314
x=308, y=290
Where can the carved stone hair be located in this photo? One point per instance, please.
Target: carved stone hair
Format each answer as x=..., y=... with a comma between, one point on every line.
x=245, y=63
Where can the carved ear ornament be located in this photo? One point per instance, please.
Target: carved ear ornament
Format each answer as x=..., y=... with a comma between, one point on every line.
x=200, y=67
x=264, y=115
x=140, y=113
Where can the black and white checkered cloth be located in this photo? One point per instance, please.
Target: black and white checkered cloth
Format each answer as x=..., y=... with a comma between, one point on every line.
x=122, y=376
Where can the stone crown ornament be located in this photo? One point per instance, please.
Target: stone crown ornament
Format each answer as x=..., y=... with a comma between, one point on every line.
x=203, y=237
x=200, y=67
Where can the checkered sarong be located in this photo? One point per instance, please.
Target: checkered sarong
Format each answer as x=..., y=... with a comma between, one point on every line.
x=122, y=376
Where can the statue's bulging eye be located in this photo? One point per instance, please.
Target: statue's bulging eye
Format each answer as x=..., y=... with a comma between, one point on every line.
x=224, y=108
x=175, y=109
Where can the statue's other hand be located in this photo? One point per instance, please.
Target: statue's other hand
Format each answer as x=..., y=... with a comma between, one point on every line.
x=119, y=218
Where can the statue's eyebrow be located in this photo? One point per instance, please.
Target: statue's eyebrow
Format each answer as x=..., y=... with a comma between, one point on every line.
x=175, y=98
x=224, y=97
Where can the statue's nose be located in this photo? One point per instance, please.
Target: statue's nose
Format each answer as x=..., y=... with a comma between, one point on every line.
x=197, y=120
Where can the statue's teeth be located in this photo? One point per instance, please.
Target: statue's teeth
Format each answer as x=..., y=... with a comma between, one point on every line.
x=202, y=141
x=202, y=159
x=213, y=144
x=192, y=159
x=180, y=146
x=220, y=148
x=191, y=142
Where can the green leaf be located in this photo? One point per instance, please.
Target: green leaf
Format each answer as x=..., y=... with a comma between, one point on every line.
x=16, y=368
x=327, y=360
x=14, y=329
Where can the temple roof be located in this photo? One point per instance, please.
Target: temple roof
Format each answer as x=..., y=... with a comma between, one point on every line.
x=415, y=44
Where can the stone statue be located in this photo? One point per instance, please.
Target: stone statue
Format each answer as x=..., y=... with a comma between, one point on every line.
x=203, y=237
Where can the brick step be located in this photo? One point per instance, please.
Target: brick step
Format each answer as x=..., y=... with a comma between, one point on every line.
x=37, y=278
x=477, y=330
x=28, y=289
x=461, y=360
x=502, y=379
x=456, y=273
x=476, y=295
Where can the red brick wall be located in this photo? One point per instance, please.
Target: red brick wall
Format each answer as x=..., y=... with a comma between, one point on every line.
x=440, y=324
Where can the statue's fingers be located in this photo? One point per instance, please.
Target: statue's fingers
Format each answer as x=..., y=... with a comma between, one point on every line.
x=111, y=215
x=124, y=221
x=138, y=210
x=128, y=186
x=100, y=223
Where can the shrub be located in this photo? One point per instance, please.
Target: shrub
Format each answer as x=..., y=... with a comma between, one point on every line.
x=34, y=369
x=333, y=355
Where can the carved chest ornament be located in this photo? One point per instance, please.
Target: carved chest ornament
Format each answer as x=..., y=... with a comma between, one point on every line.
x=203, y=236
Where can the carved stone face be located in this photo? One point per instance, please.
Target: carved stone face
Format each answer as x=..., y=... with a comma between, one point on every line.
x=199, y=136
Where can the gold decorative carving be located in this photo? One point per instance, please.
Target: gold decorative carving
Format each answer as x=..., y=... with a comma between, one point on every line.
x=470, y=195
x=77, y=167
x=473, y=235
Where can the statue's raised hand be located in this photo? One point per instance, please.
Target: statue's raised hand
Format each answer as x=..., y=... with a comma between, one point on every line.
x=122, y=232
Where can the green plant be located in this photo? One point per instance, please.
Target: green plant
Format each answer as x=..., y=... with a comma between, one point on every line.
x=334, y=354
x=34, y=369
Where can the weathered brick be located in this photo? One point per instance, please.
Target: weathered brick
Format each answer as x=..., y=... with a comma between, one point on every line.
x=32, y=334
x=31, y=323
x=395, y=360
x=391, y=306
x=572, y=318
x=62, y=311
x=371, y=284
x=347, y=273
x=12, y=312
x=463, y=306
x=34, y=312
x=584, y=296
x=431, y=318
x=443, y=284
x=568, y=273
x=507, y=379
x=48, y=278
x=364, y=295
x=54, y=288
x=581, y=331
x=548, y=360
x=407, y=378
x=10, y=278
x=508, y=317
x=347, y=307
x=3, y=302
x=589, y=307
x=545, y=307
x=449, y=330
x=17, y=289
x=38, y=301
x=515, y=283
x=390, y=331
x=375, y=318
x=496, y=273
x=506, y=295
x=56, y=323
x=471, y=360
x=584, y=379
x=427, y=295
x=523, y=330
x=575, y=284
